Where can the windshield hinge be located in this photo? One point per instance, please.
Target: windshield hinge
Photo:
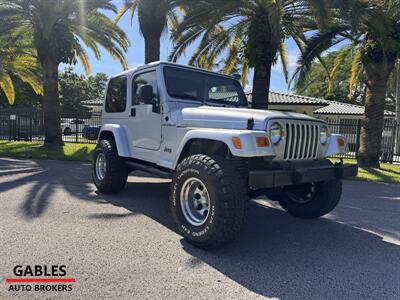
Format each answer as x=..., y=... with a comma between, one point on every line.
x=250, y=124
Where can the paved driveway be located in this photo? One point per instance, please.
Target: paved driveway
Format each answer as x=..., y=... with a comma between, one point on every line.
x=126, y=246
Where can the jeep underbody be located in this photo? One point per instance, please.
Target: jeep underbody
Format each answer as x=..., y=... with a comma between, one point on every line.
x=195, y=127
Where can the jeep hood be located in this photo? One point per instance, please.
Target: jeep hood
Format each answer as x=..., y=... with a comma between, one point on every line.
x=232, y=118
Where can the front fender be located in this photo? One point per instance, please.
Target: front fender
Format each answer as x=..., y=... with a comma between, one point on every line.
x=336, y=145
x=247, y=138
x=120, y=137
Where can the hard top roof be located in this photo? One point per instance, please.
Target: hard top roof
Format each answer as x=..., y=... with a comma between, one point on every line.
x=166, y=63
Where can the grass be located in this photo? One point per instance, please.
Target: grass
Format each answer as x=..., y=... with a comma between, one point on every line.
x=83, y=152
x=388, y=173
x=72, y=152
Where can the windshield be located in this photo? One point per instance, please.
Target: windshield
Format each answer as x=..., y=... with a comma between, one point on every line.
x=198, y=86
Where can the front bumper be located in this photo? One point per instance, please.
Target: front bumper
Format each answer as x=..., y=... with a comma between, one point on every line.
x=265, y=179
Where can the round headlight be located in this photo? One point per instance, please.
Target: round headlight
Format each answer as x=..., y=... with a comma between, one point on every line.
x=275, y=133
x=324, y=135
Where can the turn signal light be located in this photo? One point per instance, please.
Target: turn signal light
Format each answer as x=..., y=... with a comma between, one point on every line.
x=237, y=142
x=341, y=142
x=262, y=142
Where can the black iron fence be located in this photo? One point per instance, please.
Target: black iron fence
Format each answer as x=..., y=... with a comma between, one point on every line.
x=83, y=127
x=27, y=125
x=351, y=130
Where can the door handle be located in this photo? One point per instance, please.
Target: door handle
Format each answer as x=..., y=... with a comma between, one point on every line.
x=133, y=112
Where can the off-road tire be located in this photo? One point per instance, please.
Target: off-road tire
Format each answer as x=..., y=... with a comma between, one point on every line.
x=324, y=200
x=116, y=170
x=228, y=200
x=93, y=136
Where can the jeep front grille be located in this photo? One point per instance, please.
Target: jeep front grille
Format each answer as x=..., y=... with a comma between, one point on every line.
x=302, y=140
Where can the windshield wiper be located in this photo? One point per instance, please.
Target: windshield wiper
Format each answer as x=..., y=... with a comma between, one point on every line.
x=223, y=104
x=185, y=96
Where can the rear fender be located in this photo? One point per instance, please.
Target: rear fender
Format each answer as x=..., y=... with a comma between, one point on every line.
x=120, y=138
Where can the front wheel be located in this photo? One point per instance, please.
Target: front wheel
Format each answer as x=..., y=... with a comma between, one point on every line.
x=110, y=173
x=312, y=200
x=208, y=201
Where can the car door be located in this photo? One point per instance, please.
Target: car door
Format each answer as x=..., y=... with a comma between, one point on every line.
x=145, y=119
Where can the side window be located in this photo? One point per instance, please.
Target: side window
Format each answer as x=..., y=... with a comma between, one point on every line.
x=149, y=78
x=116, y=95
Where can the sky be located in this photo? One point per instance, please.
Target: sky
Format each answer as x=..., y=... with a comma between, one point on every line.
x=135, y=55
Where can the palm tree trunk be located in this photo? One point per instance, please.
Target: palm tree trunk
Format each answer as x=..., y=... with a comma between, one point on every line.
x=377, y=75
x=261, y=83
x=397, y=146
x=152, y=48
x=51, y=102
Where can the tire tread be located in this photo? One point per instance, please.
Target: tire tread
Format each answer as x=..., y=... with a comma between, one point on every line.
x=117, y=173
x=234, y=197
x=325, y=201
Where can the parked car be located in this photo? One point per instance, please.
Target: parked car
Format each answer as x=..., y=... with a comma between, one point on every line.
x=195, y=127
x=91, y=132
x=70, y=125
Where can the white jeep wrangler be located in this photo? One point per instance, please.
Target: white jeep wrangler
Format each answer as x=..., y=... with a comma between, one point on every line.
x=195, y=127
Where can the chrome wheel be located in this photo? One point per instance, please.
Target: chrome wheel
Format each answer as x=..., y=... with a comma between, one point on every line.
x=101, y=166
x=304, y=196
x=195, y=201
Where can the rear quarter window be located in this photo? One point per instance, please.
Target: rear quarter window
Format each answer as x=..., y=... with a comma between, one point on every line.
x=116, y=95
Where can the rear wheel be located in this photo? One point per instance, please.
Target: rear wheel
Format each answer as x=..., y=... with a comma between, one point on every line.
x=208, y=201
x=311, y=200
x=93, y=136
x=109, y=170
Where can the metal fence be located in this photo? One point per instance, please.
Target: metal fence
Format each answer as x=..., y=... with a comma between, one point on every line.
x=83, y=127
x=351, y=130
x=27, y=125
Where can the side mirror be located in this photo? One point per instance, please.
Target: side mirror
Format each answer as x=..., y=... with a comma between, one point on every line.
x=146, y=94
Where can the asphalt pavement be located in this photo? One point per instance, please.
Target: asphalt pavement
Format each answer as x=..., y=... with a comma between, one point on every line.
x=126, y=246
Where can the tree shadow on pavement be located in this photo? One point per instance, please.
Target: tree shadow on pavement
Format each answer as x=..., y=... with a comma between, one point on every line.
x=280, y=256
x=42, y=177
x=350, y=254
x=344, y=255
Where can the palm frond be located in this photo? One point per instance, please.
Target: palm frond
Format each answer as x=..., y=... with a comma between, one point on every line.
x=284, y=60
x=340, y=58
x=315, y=46
x=245, y=73
x=8, y=88
x=128, y=5
x=83, y=58
x=355, y=70
x=184, y=41
x=232, y=57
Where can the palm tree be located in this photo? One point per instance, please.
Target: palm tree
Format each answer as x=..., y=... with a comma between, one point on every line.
x=373, y=29
x=18, y=58
x=154, y=17
x=252, y=32
x=59, y=29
